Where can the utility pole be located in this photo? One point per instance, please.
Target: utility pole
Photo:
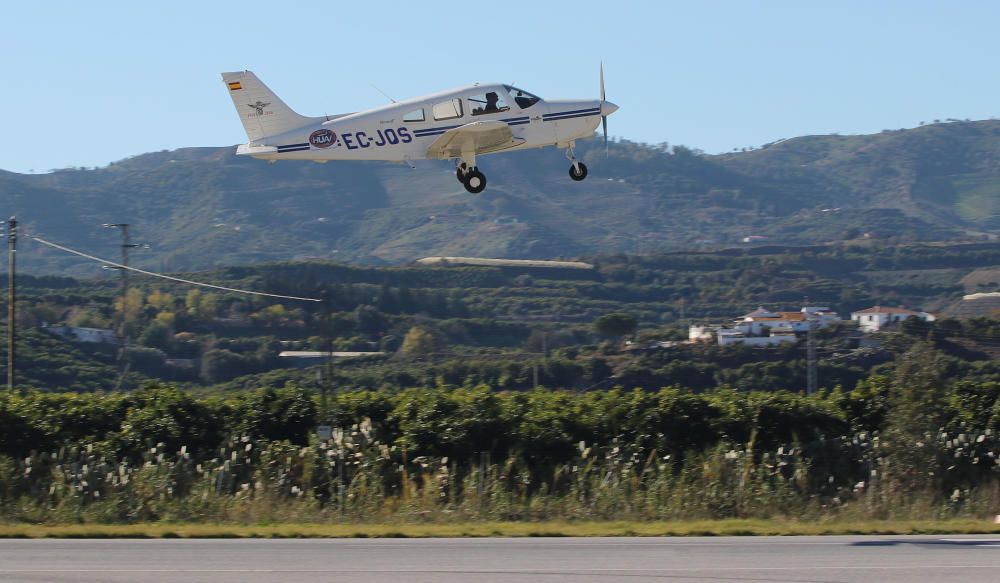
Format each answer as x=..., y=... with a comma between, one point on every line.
x=328, y=380
x=811, y=364
x=11, y=298
x=812, y=380
x=126, y=246
x=324, y=374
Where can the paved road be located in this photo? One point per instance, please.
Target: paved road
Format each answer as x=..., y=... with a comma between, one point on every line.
x=546, y=560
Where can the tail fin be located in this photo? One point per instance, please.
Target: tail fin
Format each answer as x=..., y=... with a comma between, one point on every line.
x=262, y=112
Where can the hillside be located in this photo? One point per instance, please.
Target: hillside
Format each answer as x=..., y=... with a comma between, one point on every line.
x=204, y=207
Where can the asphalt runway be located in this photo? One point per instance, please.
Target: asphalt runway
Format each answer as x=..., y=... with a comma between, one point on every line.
x=884, y=559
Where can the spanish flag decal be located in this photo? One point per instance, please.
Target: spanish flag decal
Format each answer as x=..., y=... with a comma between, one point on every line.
x=235, y=85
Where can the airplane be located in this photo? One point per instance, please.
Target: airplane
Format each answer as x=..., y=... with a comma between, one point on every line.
x=459, y=124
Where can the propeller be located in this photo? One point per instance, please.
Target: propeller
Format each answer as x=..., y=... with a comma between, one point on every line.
x=604, y=118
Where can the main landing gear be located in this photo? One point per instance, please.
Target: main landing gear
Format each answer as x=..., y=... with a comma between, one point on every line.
x=577, y=170
x=471, y=178
x=474, y=181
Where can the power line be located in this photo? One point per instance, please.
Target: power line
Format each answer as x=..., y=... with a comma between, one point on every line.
x=167, y=277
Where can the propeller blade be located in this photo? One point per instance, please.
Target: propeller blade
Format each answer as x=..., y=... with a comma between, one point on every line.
x=604, y=118
x=602, y=81
x=604, y=124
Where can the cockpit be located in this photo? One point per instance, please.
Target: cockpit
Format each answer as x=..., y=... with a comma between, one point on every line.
x=523, y=99
x=489, y=102
x=499, y=101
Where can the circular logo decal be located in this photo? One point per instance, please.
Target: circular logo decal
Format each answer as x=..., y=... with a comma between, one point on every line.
x=322, y=138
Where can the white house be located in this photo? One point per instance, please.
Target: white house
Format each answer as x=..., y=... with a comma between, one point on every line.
x=701, y=333
x=727, y=337
x=822, y=315
x=760, y=321
x=763, y=327
x=878, y=317
x=79, y=334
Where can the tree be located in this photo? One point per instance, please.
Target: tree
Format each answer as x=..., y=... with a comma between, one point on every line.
x=167, y=318
x=136, y=301
x=916, y=413
x=86, y=318
x=219, y=365
x=421, y=341
x=169, y=416
x=147, y=360
x=191, y=302
x=369, y=320
x=274, y=315
x=160, y=300
x=156, y=335
x=276, y=414
x=201, y=306
x=615, y=325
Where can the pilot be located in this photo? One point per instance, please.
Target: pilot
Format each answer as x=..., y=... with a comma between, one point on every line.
x=491, y=103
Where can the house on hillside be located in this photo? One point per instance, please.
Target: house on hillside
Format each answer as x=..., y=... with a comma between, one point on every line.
x=80, y=334
x=763, y=327
x=878, y=317
x=761, y=321
x=776, y=337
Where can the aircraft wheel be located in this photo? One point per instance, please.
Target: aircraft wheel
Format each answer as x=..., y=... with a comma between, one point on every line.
x=475, y=181
x=578, y=176
x=460, y=172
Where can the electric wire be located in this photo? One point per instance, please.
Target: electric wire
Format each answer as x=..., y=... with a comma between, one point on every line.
x=168, y=277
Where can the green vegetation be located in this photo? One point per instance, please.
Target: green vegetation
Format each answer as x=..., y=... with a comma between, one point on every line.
x=910, y=446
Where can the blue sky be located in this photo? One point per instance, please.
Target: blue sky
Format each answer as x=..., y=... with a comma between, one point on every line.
x=87, y=83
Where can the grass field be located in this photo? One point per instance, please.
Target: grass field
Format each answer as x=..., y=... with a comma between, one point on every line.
x=498, y=529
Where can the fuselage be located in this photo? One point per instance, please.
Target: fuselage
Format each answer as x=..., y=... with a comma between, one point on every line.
x=404, y=130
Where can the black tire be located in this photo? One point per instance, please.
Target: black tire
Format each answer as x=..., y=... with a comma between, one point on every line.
x=460, y=173
x=578, y=176
x=475, y=181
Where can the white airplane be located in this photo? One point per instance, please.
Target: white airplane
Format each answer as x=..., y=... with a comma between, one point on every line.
x=459, y=124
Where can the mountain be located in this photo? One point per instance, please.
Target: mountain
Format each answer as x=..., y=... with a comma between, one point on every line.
x=204, y=207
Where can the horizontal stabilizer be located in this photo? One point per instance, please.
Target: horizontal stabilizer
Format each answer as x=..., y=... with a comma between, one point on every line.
x=251, y=150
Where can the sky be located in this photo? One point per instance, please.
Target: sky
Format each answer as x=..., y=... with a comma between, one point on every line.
x=88, y=83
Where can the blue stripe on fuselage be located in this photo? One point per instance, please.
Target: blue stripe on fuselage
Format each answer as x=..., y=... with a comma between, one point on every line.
x=588, y=111
x=572, y=116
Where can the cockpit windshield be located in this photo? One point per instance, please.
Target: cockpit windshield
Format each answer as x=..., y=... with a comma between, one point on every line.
x=523, y=99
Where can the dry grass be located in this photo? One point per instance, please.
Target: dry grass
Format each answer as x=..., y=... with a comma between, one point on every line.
x=500, y=529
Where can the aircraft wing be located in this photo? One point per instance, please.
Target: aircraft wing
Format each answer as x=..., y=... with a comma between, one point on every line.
x=481, y=137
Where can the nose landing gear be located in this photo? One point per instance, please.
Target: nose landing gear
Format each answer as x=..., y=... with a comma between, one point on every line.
x=577, y=170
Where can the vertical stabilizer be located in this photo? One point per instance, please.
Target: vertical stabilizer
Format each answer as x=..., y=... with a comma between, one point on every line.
x=262, y=112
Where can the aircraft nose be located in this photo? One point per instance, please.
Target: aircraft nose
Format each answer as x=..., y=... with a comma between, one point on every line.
x=607, y=108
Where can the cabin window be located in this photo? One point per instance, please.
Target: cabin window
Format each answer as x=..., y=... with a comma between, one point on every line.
x=486, y=103
x=522, y=98
x=414, y=116
x=448, y=109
